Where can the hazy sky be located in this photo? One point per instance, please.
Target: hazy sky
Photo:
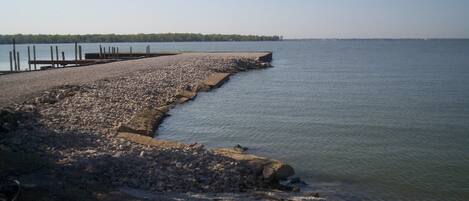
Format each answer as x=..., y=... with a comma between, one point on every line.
x=290, y=18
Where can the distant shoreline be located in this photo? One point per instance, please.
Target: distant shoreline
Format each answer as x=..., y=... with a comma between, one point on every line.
x=424, y=39
x=279, y=40
x=115, y=38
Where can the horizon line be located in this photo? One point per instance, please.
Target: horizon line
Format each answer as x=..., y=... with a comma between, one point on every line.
x=279, y=35
x=379, y=38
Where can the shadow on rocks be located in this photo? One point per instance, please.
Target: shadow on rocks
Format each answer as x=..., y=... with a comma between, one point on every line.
x=32, y=154
x=65, y=165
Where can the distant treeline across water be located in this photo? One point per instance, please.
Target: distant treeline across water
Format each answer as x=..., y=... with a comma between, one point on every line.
x=109, y=38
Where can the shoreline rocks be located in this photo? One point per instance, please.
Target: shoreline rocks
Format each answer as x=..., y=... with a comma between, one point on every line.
x=270, y=169
x=144, y=122
x=98, y=133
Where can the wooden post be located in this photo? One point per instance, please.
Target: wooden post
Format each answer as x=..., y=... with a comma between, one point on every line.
x=76, y=53
x=104, y=52
x=29, y=58
x=117, y=52
x=52, y=56
x=130, y=51
x=80, y=52
x=100, y=52
x=109, y=51
x=148, y=50
x=14, y=54
x=11, y=62
x=34, y=56
x=63, y=58
x=57, y=55
x=18, y=58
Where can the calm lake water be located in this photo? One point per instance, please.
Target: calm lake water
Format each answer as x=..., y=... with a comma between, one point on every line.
x=357, y=119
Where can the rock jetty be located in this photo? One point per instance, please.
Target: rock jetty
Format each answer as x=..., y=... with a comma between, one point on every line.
x=89, y=130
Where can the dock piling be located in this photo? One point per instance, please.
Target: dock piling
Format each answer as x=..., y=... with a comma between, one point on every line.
x=63, y=57
x=76, y=53
x=100, y=52
x=29, y=58
x=18, y=60
x=148, y=50
x=34, y=56
x=80, y=51
x=57, y=55
x=14, y=55
x=11, y=62
x=52, y=56
x=131, y=51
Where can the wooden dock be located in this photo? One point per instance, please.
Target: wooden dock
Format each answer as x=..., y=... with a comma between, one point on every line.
x=127, y=55
x=68, y=62
x=96, y=58
x=57, y=60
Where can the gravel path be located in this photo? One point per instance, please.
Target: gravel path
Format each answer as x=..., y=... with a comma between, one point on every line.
x=16, y=88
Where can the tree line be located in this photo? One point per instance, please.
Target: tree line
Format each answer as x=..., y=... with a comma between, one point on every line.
x=111, y=38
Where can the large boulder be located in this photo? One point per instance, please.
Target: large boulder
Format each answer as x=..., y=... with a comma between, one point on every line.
x=149, y=141
x=277, y=170
x=270, y=169
x=200, y=87
x=266, y=58
x=144, y=122
x=185, y=95
x=216, y=79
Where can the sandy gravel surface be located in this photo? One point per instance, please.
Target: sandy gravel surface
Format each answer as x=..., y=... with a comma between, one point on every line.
x=15, y=88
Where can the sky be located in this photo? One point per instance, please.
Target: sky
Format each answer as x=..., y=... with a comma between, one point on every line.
x=288, y=18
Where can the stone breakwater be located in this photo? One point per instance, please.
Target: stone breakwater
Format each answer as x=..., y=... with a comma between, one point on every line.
x=78, y=129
